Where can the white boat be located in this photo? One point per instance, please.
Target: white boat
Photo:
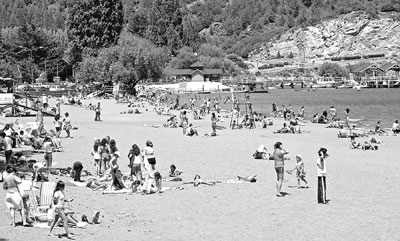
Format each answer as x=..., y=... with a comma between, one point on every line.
x=359, y=87
x=316, y=86
x=56, y=88
x=327, y=82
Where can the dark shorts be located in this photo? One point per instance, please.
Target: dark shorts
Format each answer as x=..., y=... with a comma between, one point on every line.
x=152, y=161
x=8, y=155
x=279, y=170
x=135, y=169
x=58, y=129
x=49, y=159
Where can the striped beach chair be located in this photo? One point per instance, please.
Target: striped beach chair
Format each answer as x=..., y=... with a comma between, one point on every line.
x=39, y=210
x=46, y=193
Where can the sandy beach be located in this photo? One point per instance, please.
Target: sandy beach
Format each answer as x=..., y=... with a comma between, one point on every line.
x=362, y=186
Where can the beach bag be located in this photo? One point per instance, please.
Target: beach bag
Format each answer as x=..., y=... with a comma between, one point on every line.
x=258, y=155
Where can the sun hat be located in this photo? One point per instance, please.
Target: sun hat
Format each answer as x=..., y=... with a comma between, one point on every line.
x=299, y=156
x=96, y=139
x=117, y=153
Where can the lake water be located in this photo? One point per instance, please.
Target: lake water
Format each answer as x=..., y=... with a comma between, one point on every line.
x=369, y=105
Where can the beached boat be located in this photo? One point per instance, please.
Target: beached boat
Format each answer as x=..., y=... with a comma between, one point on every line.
x=327, y=82
x=317, y=86
x=56, y=88
x=344, y=86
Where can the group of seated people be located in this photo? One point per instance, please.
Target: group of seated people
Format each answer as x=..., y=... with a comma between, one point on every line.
x=367, y=145
x=72, y=101
x=322, y=119
x=294, y=127
x=172, y=122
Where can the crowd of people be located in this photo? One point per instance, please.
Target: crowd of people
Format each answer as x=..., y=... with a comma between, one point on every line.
x=144, y=176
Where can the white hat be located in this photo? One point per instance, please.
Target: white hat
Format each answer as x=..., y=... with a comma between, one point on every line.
x=299, y=156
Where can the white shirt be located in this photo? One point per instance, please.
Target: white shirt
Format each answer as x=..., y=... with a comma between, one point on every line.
x=59, y=195
x=395, y=126
x=47, y=147
x=137, y=160
x=321, y=167
x=8, y=143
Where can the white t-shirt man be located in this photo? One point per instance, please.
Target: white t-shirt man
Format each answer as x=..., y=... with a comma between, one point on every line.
x=321, y=167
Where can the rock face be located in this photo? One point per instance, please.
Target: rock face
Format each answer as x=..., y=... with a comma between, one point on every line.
x=350, y=35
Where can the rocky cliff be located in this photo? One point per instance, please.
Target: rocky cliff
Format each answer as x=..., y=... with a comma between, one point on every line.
x=350, y=35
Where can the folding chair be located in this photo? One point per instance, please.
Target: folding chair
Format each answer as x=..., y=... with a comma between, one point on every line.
x=35, y=211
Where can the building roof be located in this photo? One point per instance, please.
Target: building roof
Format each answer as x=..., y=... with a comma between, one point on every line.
x=391, y=66
x=363, y=67
x=191, y=71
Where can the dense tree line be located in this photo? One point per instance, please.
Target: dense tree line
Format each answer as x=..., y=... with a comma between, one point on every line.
x=56, y=35
x=176, y=23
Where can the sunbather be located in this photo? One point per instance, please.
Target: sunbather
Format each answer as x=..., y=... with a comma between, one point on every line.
x=248, y=178
x=197, y=181
x=261, y=153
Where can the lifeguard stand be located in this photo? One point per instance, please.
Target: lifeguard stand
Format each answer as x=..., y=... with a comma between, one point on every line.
x=248, y=111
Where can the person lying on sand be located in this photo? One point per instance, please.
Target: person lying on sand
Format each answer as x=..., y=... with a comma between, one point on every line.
x=248, y=178
x=368, y=146
x=197, y=181
x=96, y=185
x=261, y=153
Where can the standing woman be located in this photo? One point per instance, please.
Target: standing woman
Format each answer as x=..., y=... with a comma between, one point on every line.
x=59, y=208
x=279, y=157
x=347, y=114
x=104, y=154
x=96, y=155
x=57, y=125
x=214, y=121
x=136, y=162
x=321, y=168
x=116, y=174
x=67, y=124
x=185, y=121
x=149, y=154
x=13, y=198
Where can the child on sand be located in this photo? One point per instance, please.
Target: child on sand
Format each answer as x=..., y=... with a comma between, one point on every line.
x=57, y=125
x=149, y=154
x=48, y=153
x=300, y=173
x=353, y=143
x=174, y=173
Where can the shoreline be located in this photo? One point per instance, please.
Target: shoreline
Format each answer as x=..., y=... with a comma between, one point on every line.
x=360, y=184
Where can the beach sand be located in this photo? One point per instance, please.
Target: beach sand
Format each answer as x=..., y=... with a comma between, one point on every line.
x=362, y=186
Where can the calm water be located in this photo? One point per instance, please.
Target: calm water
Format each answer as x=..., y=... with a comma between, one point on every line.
x=369, y=105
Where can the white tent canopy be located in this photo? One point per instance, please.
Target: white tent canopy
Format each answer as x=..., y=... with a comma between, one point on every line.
x=194, y=87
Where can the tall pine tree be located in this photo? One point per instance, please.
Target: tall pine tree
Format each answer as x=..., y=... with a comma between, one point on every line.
x=165, y=25
x=94, y=24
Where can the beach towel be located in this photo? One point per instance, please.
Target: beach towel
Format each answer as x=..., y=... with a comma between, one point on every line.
x=79, y=184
